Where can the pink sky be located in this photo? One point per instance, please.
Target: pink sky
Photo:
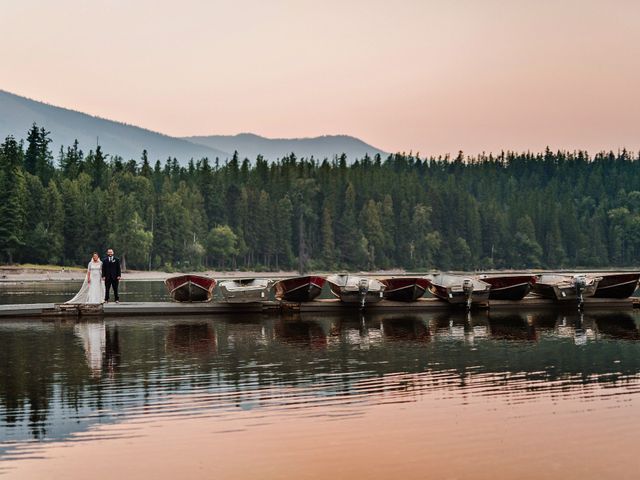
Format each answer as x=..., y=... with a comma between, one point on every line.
x=428, y=76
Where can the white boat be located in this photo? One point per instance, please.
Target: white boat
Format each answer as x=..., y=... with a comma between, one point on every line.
x=246, y=290
x=459, y=289
x=566, y=287
x=356, y=290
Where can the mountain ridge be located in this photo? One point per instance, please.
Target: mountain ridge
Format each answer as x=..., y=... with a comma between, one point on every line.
x=18, y=113
x=250, y=145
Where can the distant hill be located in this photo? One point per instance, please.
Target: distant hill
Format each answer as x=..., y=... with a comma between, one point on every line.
x=250, y=146
x=17, y=114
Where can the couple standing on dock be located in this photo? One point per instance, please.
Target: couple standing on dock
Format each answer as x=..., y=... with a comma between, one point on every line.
x=102, y=275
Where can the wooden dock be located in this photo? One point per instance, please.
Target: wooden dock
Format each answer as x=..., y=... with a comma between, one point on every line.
x=127, y=309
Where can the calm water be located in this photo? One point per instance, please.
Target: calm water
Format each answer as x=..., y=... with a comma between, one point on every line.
x=518, y=395
x=58, y=291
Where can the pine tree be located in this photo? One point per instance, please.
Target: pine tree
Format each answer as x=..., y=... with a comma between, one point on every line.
x=12, y=198
x=283, y=218
x=38, y=160
x=72, y=162
x=352, y=250
x=372, y=230
x=328, y=243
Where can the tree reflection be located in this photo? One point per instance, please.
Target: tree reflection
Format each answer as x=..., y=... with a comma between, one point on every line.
x=56, y=373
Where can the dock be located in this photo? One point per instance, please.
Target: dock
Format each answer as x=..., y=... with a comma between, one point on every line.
x=129, y=309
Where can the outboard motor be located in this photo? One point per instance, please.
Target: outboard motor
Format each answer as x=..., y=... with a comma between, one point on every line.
x=580, y=282
x=363, y=289
x=467, y=288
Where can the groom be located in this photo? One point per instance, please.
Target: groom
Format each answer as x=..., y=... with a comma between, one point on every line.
x=111, y=274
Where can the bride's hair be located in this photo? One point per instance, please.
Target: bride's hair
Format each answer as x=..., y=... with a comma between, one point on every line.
x=94, y=253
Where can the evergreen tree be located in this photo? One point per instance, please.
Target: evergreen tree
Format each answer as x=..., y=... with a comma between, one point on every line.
x=529, y=210
x=13, y=197
x=38, y=159
x=328, y=253
x=71, y=162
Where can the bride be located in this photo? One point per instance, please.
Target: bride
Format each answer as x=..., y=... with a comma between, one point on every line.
x=92, y=290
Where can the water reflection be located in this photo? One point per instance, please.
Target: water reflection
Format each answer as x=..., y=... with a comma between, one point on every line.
x=616, y=325
x=61, y=378
x=404, y=328
x=191, y=339
x=93, y=337
x=513, y=326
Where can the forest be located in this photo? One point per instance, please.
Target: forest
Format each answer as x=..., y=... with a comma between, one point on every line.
x=508, y=210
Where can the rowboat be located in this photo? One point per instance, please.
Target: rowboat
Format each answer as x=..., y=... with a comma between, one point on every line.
x=617, y=285
x=190, y=288
x=356, y=290
x=299, y=289
x=459, y=289
x=404, y=289
x=564, y=288
x=509, y=287
x=246, y=290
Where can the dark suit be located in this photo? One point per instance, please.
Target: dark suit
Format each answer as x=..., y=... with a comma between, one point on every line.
x=111, y=273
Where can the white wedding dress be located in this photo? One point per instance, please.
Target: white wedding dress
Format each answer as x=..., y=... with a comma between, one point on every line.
x=91, y=292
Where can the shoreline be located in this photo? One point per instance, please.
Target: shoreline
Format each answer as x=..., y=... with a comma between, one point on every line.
x=18, y=274
x=33, y=273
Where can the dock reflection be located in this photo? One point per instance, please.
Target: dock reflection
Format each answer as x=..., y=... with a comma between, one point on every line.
x=86, y=372
x=102, y=349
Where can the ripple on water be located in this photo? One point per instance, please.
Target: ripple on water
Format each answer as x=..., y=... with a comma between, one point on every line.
x=326, y=369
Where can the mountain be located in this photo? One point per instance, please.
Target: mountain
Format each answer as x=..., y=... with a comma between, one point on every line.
x=17, y=114
x=250, y=146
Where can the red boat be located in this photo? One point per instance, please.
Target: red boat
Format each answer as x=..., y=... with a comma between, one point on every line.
x=405, y=289
x=509, y=287
x=190, y=288
x=299, y=289
x=617, y=285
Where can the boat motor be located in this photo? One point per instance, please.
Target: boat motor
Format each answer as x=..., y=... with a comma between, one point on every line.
x=363, y=289
x=580, y=282
x=467, y=288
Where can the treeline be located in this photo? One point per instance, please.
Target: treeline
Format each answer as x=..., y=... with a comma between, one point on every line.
x=513, y=210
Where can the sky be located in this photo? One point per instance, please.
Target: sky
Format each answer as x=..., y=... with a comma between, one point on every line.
x=431, y=77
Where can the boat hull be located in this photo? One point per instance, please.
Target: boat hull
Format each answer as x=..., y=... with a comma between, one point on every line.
x=299, y=289
x=459, y=290
x=564, y=288
x=190, y=288
x=617, y=285
x=356, y=290
x=405, y=289
x=245, y=291
x=509, y=287
x=458, y=298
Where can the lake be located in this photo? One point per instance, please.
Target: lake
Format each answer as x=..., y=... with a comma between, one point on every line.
x=61, y=291
x=535, y=394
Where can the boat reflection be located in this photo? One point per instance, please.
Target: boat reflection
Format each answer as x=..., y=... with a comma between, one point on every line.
x=410, y=328
x=313, y=331
x=512, y=326
x=191, y=339
x=450, y=327
x=255, y=361
x=619, y=325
